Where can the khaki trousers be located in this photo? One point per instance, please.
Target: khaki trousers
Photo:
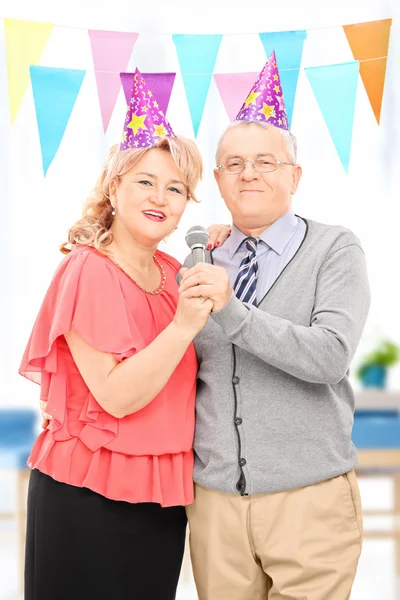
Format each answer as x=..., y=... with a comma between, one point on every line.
x=302, y=544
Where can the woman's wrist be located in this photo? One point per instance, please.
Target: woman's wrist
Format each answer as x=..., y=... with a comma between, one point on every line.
x=182, y=333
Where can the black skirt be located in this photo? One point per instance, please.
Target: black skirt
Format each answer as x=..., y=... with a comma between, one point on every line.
x=83, y=546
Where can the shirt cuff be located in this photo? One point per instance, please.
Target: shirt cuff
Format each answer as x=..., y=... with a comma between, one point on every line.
x=232, y=315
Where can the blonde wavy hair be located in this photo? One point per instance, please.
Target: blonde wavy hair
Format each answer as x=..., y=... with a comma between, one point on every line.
x=94, y=228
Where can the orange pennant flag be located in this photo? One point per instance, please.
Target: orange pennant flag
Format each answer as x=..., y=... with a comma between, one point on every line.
x=369, y=44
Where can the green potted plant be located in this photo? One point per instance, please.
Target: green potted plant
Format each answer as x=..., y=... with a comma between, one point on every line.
x=373, y=370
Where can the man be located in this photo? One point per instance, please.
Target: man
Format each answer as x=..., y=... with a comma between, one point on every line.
x=277, y=509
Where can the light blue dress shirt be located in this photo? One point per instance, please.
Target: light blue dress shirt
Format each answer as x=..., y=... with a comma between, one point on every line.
x=276, y=247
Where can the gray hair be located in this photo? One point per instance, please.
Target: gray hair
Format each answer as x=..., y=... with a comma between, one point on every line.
x=290, y=139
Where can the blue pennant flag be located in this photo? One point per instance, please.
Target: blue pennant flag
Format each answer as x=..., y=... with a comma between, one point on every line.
x=288, y=46
x=335, y=89
x=55, y=92
x=197, y=55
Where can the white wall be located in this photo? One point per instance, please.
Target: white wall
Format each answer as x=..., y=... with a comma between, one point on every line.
x=36, y=212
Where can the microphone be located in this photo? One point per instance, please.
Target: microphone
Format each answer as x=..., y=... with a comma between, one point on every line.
x=197, y=239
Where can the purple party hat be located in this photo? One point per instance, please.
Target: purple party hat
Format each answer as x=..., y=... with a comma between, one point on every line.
x=265, y=101
x=145, y=123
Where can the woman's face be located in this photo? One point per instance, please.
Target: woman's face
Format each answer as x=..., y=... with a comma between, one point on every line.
x=150, y=198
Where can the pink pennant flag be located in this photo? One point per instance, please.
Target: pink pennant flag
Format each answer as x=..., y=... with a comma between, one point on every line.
x=111, y=51
x=233, y=87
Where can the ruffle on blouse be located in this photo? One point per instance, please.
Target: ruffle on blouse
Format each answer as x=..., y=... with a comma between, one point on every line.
x=84, y=297
x=166, y=480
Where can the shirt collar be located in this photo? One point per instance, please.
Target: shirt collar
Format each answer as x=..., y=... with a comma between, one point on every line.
x=276, y=236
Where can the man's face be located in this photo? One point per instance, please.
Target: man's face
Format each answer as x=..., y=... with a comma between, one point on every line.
x=256, y=199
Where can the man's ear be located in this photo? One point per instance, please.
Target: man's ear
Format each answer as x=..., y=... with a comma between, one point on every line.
x=217, y=177
x=297, y=173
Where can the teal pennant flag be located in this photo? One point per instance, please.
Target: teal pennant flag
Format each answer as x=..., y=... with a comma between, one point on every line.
x=288, y=46
x=335, y=89
x=55, y=92
x=197, y=55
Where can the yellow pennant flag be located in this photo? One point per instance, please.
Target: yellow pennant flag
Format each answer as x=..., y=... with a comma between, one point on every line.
x=25, y=42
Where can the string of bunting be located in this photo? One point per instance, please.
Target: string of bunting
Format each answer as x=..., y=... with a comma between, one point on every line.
x=334, y=86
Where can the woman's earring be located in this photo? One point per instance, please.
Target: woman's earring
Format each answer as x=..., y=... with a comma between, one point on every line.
x=113, y=212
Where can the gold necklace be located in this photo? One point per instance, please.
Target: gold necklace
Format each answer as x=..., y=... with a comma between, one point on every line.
x=160, y=288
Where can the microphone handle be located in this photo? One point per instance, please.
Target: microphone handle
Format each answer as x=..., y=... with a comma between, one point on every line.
x=198, y=255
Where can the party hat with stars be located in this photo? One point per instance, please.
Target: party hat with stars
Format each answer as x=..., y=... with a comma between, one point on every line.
x=145, y=123
x=265, y=101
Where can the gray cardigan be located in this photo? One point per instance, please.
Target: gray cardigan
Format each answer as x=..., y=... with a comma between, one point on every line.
x=274, y=407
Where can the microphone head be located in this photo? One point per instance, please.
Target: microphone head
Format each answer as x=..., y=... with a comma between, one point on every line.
x=197, y=236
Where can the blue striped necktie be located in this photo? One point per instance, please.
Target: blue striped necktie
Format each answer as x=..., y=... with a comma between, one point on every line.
x=246, y=280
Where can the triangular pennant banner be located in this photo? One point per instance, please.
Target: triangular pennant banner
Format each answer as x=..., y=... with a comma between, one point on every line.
x=159, y=83
x=24, y=43
x=369, y=43
x=335, y=89
x=288, y=46
x=111, y=51
x=54, y=92
x=233, y=89
x=197, y=55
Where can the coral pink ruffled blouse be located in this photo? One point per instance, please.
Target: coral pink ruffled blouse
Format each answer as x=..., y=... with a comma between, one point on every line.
x=143, y=457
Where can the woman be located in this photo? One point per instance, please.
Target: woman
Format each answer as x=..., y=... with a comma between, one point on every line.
x=112, y=350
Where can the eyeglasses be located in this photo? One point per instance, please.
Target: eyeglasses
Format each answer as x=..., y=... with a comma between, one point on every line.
x=264, y=164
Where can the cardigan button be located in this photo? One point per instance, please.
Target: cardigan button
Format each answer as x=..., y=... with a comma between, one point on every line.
x=240, y=486
x=238, y=421
x=235, y=380
x=242, y=462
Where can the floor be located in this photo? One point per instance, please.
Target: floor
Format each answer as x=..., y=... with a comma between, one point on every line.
x=376, y=579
